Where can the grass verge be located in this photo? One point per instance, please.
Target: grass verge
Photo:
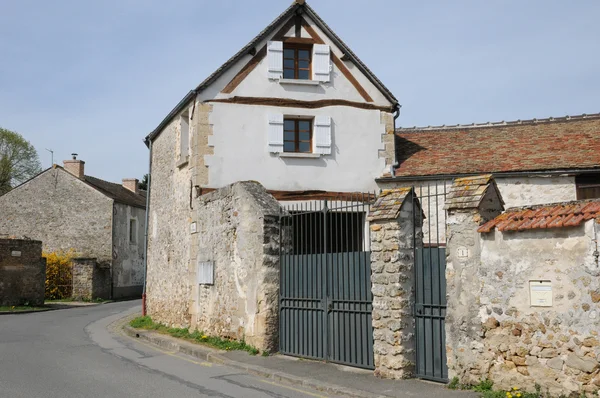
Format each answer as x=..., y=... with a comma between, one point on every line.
x=485, y=388
x=20, y=308
x=145, y=322
x=80, y=300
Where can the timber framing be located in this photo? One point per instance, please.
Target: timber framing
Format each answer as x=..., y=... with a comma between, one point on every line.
x=339, y=63
x=288, y=196
x=260, y=55
x=292, y=103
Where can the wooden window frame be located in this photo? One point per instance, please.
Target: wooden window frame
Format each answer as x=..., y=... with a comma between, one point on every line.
x=298, y=47
x=587, y=186
x=297, y=131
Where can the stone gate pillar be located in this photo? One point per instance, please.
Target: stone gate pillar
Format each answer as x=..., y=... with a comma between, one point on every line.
x=471, y=202
x=393, y=231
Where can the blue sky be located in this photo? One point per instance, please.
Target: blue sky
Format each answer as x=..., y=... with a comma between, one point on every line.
x=95, y=77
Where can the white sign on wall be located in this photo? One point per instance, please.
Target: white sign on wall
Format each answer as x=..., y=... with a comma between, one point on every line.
x=15, y=253
x=193, y=228
x=540, y=293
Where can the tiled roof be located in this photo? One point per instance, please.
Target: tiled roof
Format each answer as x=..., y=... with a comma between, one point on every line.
x=118, y=192
x=388, y=204
x=468, y=192
x=557, y=215
x=567, y=143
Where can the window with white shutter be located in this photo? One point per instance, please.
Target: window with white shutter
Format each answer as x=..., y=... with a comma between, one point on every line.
x=275, y=58
x=275, y=134
x=322, y=135
x=321, y=62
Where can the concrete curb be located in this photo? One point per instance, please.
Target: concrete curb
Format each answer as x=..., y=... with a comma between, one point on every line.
x=213, y=355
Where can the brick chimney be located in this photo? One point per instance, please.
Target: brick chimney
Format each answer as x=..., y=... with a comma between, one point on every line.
x=75, y=166
x=131, y=184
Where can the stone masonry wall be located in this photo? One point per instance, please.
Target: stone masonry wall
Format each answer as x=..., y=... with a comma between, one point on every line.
x=392, y=276
x=388, y=152
x=128, y=254
x=493, y=332
x=61, y=211
x=90, y=281
x=168, y=285
x=22, y=272
x=238, y=230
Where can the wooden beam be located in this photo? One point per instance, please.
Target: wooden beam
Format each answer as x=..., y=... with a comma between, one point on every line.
x=312, y=195
x=298, y=40
x=260, y=55
x=292, y=103
x=338, y=62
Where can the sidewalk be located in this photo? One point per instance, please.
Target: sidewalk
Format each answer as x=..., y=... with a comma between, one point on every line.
x=327, y=377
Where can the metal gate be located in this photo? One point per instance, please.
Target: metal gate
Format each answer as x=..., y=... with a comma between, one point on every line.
x=430, y=283
x=325, y=298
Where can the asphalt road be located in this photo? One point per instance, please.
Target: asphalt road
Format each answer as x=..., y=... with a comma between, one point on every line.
x=79, y=352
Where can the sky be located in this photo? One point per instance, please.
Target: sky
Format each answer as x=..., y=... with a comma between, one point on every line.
x=95, y=77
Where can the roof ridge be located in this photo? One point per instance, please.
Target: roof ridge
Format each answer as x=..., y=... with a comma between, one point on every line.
x=551, y=119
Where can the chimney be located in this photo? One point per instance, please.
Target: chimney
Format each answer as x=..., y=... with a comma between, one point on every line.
x=75, y=166
x=131, y=184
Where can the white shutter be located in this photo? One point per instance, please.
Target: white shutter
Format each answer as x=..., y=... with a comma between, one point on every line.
x=276, y=133
x=275, y=57
x=321, y=62
x=323, y=135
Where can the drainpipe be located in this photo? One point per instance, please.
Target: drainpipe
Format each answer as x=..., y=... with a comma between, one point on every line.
x=395, y=165
x=146, y=228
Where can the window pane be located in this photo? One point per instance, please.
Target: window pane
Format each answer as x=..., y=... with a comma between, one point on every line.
x=289, y=125
x=304, y=147
x=304, y=136
x=303, y=64
x=303, y=54
x=289, y=147
x=304, y=125
x=288, y=73
x=288, y=63
x=303, y=74
x=289, y=136
x=288, y=53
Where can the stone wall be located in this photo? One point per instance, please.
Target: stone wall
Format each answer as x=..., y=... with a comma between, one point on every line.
x=128, y=251
x=392, y=276
x=90, y=281
x=238, y=231
x=61, y=211
x=22, y=272
x=493, y=332
x=168, y=284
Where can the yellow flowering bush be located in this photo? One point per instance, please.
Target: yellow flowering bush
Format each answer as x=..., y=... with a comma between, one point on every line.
x=59, y=274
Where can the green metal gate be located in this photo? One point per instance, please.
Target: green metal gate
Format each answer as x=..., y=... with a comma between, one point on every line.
x=325, y=298
x=430, y=283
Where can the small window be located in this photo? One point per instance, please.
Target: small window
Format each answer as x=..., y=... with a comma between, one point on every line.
x=132, y=231
x=297, y=135
x=297, y=62
x=184, y=125
x=588, y=186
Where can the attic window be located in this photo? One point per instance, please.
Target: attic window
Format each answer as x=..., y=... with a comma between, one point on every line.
x=588, y=186
x=297, y=61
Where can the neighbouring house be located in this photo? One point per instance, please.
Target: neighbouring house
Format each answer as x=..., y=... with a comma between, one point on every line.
x=66, y=209
x=533, y=161
x=295, y=110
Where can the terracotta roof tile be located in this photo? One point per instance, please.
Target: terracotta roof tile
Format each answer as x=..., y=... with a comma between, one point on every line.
x=555, y=215
x=534, y=145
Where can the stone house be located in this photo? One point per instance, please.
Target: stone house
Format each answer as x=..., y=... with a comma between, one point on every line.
x=295, y=110
x=66, y=209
